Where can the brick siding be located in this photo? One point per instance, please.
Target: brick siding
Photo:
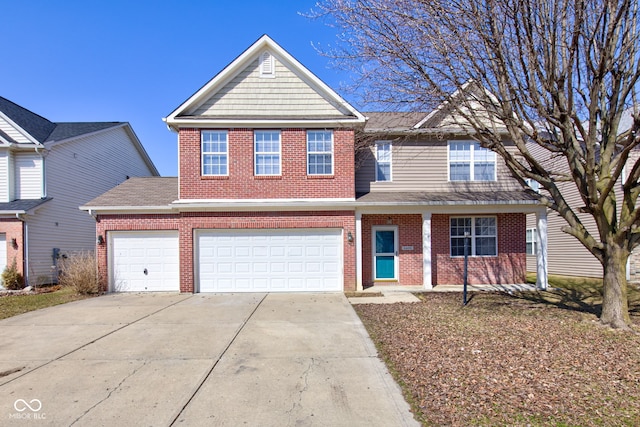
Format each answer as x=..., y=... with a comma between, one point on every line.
x=14, y=229
x=507, y=268
x=409, y=234
x=241, y=183
x=186, y=223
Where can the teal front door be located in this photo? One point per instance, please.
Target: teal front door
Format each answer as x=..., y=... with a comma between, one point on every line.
x=385, y=253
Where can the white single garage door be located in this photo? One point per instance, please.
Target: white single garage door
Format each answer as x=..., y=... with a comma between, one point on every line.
x=144, y=261
x=269, y=260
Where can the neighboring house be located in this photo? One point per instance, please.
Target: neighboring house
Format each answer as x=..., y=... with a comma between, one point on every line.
x=46, y=171
x=268, y=197
x=566, y=255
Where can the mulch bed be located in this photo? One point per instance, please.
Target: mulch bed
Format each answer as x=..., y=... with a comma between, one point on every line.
x=502, y=360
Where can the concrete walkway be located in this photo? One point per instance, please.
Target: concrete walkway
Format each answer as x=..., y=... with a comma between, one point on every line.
x=381, y=294
x=195, y=360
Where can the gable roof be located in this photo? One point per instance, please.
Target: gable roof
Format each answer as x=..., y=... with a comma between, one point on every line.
x=36, y=126
x=260, y=112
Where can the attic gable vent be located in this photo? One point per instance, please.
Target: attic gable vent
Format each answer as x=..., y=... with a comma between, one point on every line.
x=267, y=66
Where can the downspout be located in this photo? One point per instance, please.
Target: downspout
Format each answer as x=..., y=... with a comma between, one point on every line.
x=43, y=154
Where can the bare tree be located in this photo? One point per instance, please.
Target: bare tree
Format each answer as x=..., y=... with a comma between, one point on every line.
x=556, y=75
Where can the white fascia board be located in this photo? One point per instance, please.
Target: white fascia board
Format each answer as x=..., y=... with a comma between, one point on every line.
x=238, y=64
x=263, y=204
x=19, y=129
x=130, y=132
x=266, y=123
x=102, y=210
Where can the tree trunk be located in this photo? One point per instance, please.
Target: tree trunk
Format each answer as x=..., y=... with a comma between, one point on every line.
x=615, y=306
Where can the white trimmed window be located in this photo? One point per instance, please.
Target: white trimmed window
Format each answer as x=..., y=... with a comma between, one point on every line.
x=267, y=152
x=468, y=161
x=319, y=152
x=383, y=161
x=532, y=241
x=481, y=231
x=267, y=65
x=215, y=153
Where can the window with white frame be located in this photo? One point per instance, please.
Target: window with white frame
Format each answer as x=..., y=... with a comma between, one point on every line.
x=215, y=153
x=468, y=161
x=319, y=152
x=383, y=161
x=532, y=241
x=267, y=152
x=481, y=231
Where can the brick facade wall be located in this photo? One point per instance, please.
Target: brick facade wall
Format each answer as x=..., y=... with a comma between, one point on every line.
x=14, y=229
x=241, y=183
x=186, y=223
x=409, y=234
x=507, y=268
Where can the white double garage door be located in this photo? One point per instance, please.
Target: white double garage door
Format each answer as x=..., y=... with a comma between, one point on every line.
x=282, y=260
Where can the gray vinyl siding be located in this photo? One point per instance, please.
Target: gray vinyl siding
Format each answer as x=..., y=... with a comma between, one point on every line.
x=28, y=175
x=423, y=166
x=77, y=171
x=286, y=95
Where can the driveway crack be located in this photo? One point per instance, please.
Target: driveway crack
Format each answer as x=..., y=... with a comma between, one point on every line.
x=305, y=386
x=113, y=390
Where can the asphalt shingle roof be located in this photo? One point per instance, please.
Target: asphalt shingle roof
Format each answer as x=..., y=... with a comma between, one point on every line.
x=22, y=205
x=37, y=126
x=139, y=192
x=44, y=130
x=444, y=198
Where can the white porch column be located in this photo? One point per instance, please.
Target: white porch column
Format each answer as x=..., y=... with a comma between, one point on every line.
x=541, y=254
x=359, y=251
x=426, y=251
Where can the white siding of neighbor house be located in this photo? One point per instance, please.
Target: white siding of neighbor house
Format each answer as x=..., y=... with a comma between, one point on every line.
x=423, y=166
x=77, y=171
x=5, y=158
x=285, y=95
x=16, y=135
x=28, y=175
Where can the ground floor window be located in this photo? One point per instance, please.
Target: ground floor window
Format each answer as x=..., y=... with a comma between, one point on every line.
x=481, y=232
x=532, y=241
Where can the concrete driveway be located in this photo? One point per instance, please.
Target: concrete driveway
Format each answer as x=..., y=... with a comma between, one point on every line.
x=195, y=360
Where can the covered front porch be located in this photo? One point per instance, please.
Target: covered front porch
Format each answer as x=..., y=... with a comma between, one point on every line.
x=413, y=244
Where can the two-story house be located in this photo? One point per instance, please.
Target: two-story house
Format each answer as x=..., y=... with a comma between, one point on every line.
x=268, y=197
x=47, y=170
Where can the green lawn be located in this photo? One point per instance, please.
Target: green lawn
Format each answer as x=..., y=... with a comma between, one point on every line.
x=17, y=304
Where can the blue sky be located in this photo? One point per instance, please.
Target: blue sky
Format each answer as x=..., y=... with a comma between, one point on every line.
x=136, y=61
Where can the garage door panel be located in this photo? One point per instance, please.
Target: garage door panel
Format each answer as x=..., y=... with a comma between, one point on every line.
x=144, y=261
x=269, y=260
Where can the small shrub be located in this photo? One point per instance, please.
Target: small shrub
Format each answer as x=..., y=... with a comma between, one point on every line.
x=11, y=277
x=79, y=272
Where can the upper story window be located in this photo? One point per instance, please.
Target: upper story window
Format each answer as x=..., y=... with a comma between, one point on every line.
x=481, y=232
x=267, y=65
x=468, y=161
x=383, y=161
x=267, y=152
x=215, y=153
x=319, y=152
